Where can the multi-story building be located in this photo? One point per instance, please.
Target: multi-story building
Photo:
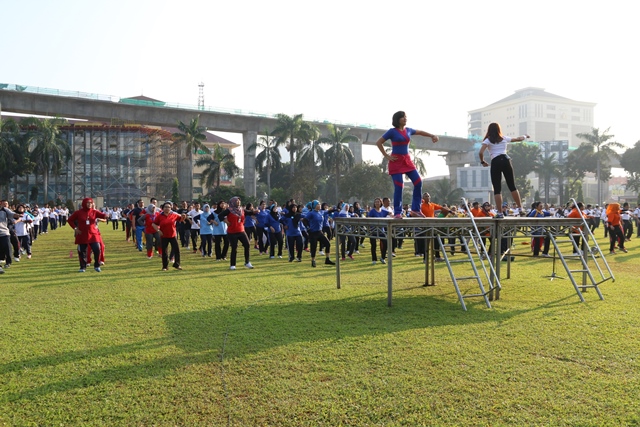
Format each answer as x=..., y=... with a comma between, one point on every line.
x=540, y=114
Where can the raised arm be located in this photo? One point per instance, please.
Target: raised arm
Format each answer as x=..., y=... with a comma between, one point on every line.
x=433, y=137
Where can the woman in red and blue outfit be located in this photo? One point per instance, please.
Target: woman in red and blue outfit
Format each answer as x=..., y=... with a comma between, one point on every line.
x=400, y=162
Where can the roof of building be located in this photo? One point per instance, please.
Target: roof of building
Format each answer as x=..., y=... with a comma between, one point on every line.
x=143, y=98
x=530, y=91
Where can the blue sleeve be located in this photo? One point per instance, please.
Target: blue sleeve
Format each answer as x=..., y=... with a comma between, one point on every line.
x=410, y=131
x=387, y=134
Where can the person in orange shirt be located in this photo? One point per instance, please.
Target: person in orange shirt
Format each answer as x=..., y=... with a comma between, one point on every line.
x=484, y=212
x=575, y=213
x=429, y=209
x=475, y=209
x=615, y=229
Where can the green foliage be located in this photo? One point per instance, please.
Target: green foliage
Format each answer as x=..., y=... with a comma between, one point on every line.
x=444, y=191
x=175, y=191
x=225, y=193
x=524, y=158
x=630, y=161
x=364, y=182
x=218, y=164
x=338, y=156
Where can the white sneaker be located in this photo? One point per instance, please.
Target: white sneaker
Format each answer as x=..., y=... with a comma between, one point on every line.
x=248, y=265
x=545, y=255
x=233, y=267
x=384, y=261
x=321, y=253
x=17, y=259
x=373, y=263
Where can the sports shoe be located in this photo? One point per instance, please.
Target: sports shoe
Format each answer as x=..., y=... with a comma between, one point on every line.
x=499, y=216
x=1, y=270
x=313, y=263
x=343, y=259
x=101, y=262
x=545, y=255
x=383, y=261
x=351, y=257
x=358, y=252
x=624, y=250
x=361, y=245
x=298, y=259
x=177, y=267
x=393, y=254
x=233, y=267
x=271, y=257
x=149, y=257
x=165, y=269
x=417, y=214
x=248, y=265
x=280, y=256
x=97, y=269
x=17, y=259
x=612, y=253
x=373, y=262
x=29, y=256
x=439, y=259
x=321, y=253
x=329, y=262
x=290, y=259
x=79, y=271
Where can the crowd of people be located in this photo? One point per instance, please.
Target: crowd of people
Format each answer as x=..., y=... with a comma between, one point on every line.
x=21, y=225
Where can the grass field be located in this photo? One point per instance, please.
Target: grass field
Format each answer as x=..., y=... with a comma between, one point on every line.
x=281, y=346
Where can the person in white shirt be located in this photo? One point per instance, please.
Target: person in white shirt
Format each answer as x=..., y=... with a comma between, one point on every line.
x=45, y=211
x=501, y=164
x=22, y=227
x=603, y=218
x=114, y=214
x=195, y=227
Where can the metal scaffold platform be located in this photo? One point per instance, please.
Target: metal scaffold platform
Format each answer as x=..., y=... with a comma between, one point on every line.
x=483, y=266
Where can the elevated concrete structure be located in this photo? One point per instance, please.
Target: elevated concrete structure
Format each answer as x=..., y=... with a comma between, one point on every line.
x=250, y=126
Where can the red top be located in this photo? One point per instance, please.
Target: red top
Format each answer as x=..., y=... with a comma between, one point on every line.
x=85, y=221
x=167, y=223
x=148, y=220
x=235, y=223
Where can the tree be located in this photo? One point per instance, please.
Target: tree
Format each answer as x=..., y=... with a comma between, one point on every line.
x=443, y=191
x=604, y=149
x=216, y=165
x=14, y=153
x=548, y=168
x=189, y=140
x=417, y=160
x=269, y=156
x=339, y=155
x=289, y=129
x=630, y=162
x=524, y=158
x=175, y=191
x=50, y=152
x=312, y=156
x=377, y=182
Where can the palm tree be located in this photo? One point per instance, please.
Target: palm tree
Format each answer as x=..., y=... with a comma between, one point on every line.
x=218, y=164
x=444, y=191
x=417, y=161
x=269, y=156
x=289, y=129
x=339, y=154
x=190, y=138
x=604, y=150
x=547, y=169
x=50, y=152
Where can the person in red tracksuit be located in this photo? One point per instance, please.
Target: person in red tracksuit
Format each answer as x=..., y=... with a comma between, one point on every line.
x=234, y=216
x=83, y=221
x=165, y=225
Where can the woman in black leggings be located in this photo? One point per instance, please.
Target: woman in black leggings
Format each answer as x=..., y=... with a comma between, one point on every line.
x=501, y=165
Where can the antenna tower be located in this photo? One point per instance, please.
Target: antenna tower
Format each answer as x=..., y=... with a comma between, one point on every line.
x=201, y=96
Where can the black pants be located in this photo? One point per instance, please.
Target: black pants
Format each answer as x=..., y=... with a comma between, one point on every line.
x=175, y=251
x=628, y=228
x=234, y=238
x=261, y=233
x=328, y=232
x=194, y=238
x=616, y=235
x=25, y=243
x=275, y=238
x=114, y=224
x=82, y=254
x=251, y=234
x=316, y=237
x=45, y=224
x=153, y=241
x=347, y=245
x=221, y=245
x=5, y=249
x=383, y=248
x=297, y=242
x=205, y=243
x=501, y=165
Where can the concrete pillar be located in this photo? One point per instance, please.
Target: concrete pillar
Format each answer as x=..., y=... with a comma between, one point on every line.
x=356, y=149
x=248, y=139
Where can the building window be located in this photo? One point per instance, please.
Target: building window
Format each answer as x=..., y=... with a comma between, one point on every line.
x=551, y=116
x=484, y=178
x=551, y=107
x=575, y=118
x=522, y=111
x=563, y=126
x=474, y=183
x=463, y=179
x=538, y=110
x=575, y=110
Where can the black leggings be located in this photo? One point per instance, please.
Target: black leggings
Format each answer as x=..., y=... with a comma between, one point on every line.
x=383, y=248
x=275, y=239
x=501, y=165
x=314, y=238
x=175, y=251
x=82, y=254
x=297, y=242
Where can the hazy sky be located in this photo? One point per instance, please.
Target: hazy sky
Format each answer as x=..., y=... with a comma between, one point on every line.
x=349, y=61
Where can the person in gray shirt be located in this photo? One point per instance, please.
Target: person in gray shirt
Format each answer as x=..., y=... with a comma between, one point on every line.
x=6, y=218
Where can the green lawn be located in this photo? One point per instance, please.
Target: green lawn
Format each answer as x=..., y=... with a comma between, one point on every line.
x=281, y=346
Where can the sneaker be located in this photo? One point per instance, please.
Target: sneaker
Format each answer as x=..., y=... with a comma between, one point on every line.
x=97, y=269
x=398, y=216
x=290, y=259
x=149, y=257
x=29, y=256
x=165, y=269
x=329, y=262
x=313, y=263
x=1, y=270
x=351, y=257
x=101, y=262
x=172, y=260
x=624, y=250
x=306, y=249
x=439, y=259
x=393, y=254
x=233, y=267
x=280, y=256
x=298, y=259
x=17, y=259
x=177, y=267
x=79, y=271
x=321, y=253
x=612, y=253
x=383, y=261
x=417, y=214
x=271, y=257
x=358, y=252
x=373, y=262
x=545, y=255
x=499, y=216
x=343, y=259
x=361, y=245
x=248, y=265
